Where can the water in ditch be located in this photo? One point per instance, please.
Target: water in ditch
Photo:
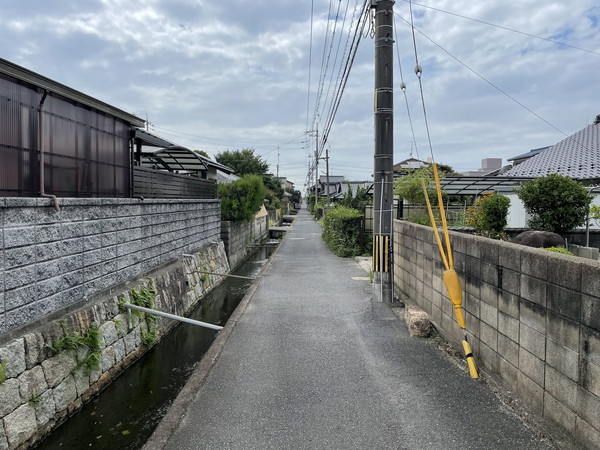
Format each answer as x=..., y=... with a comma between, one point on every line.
x=126, y=413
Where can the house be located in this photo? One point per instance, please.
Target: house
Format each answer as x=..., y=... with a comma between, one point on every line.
x=407, y=166
x=56, y=140
x=577, y=157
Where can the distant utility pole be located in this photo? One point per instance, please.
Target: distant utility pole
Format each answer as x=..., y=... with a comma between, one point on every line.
x=316, y=167
x=326, y=158
x=384, y=151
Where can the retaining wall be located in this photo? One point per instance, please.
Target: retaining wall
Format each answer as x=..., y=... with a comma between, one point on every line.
x=239, y=237
x=533, y=319
x=43, y=387
x=50, y=260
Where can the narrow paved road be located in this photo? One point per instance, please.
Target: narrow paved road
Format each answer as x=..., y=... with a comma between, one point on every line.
x=313, y=363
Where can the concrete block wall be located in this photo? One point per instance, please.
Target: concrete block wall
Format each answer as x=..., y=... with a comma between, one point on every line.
x=50, y=260
x=533, y=319
x=239, y=237
x=32, y=369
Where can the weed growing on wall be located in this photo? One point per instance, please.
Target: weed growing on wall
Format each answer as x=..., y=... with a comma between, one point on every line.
x=91, y=341
x=35, y=400
x=145, y=298
x=2, y=372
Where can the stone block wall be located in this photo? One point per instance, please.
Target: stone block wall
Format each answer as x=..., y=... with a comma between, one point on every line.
x=43, y=388
x=239, y=237
x=50, y=260
x=533, y=319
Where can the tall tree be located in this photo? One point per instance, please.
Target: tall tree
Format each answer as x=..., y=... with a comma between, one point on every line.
x=243, y=161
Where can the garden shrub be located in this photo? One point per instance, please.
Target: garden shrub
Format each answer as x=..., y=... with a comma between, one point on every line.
x=556, y=203
x=241, y=199
x=341, y=231
x=489, y=215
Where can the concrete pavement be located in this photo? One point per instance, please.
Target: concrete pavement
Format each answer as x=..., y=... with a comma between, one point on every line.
x=308, y=361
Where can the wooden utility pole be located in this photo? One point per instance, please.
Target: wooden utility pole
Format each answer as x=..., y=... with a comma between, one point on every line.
x=384, y=151
x=316, y=168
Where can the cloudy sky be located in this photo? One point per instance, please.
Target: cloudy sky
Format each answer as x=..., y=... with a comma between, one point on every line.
x=215, y=75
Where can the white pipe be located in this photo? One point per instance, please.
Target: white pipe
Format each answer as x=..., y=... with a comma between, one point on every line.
x=173, y=316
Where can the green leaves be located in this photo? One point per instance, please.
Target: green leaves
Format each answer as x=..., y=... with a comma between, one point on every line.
x=341, y=231
x=489, y=215
x=241, y=199
x=243, y=162
x=556, y=203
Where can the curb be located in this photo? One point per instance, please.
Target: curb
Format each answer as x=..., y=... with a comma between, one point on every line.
x=178, y=409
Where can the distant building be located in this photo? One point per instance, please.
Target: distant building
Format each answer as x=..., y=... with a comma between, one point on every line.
x=407, y=166
x=489, y=166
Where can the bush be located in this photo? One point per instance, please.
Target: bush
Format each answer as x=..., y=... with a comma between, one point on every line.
x=241, y=199
x=341, y=231
x=556, y=203
x=489, y=215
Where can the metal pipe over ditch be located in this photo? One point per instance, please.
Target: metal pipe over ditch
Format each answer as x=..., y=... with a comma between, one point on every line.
x=173, y=316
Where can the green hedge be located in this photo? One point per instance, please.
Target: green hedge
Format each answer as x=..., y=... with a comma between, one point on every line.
x=241, y=199
x=341, y=231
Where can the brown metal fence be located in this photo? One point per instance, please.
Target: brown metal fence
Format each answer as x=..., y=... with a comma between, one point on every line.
x=149, y=183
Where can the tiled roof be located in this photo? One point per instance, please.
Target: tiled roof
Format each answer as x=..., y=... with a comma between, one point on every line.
x=577, y=156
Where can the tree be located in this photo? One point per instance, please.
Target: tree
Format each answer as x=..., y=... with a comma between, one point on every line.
x=358, y=201
x=243, y=161
x=241, y=199
x=203, y=153
x=409, y=187
x=295, y=195
x=489, y=215
x=556, y=203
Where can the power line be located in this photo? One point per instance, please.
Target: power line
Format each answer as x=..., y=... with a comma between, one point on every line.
x=504, y=28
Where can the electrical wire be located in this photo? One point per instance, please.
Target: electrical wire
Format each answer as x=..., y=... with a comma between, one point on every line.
x=505, y=28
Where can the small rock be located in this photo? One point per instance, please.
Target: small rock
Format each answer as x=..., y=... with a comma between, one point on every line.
x=20, y=425
x=539, y=239
x=417, y=321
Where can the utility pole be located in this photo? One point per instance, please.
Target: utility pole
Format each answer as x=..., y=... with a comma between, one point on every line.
x=316, y=167
x=278, y=161
x=384, y=152
x=327, y=173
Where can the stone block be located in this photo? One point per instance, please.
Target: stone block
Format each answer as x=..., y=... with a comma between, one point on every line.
x=489, y=336
x=565, y=271
x=489, y=314
x=563, y=301
x=509, y=304
x=590, y=278
x=532, y=394
x=588, y=406
x=71, y=229
x=532, y=366
x=32, y=382
x=534, y=262
x=19, y=256
x=47, y=233
x=489, y=294
x=20, y=425
x=13, y=353
x=59, y=367
x=590, y=310
x=509, y=256
x=19, y=236
x=587, y=435
x=590, y=376
x=508, y=349
x=559, y=414
x=108, y=359
x=533, y=315
x=65, y=393
x=473, y=267
x=509, y=280
x=590, y=344
x=533, y=289
x=532, y=341
x=34, y=349
x=562, y=388
x=19, y=277
x=45, y=410
x=487, y=357
x=10, y=397
x=82, y=382
x=508, y=326
x=564, y=360
x=109, y=333
x=3, y=440
x=509, y=374
x=563, y=331
x=417, y=321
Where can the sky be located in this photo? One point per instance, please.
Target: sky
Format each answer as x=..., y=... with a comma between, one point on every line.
x=499, y=78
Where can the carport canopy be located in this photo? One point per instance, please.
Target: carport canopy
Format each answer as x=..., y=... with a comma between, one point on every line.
x=173, y=158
